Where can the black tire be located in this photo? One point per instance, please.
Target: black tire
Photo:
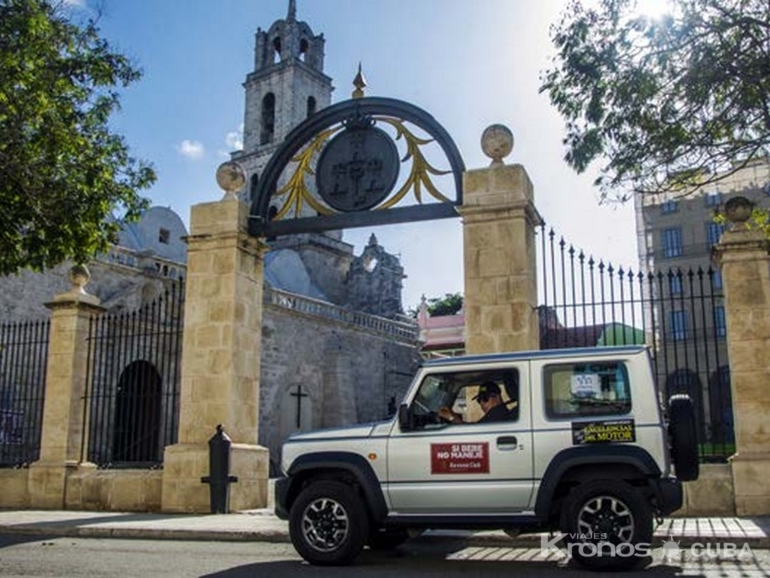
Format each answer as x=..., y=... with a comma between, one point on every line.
x=609, y=511
x=683, y=433
x=387, y=538
x=328, y=523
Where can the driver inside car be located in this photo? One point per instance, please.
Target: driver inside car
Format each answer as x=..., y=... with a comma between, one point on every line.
x=491, y=402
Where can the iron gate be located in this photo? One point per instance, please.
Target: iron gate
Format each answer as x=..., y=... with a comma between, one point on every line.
x=680, y=314
x=23, y=363
x=132, y=396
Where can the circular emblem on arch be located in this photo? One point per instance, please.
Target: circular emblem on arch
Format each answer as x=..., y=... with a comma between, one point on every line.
x=357, y=169
x=340, y=165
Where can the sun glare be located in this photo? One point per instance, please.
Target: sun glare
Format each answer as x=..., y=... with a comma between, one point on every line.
x=653, y=8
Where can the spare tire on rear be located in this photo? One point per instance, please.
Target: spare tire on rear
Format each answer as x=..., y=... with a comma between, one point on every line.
x=683, y=432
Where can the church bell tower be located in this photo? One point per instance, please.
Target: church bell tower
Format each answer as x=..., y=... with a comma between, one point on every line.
x=287, y=86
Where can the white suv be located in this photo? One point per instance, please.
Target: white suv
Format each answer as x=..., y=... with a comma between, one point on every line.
x=579, y=445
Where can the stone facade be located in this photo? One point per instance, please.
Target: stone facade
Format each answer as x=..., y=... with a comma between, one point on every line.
x=66, y=376
x=743, y=256
x=327, y=371
x=287, y=85
x=134, y=272
x=332, y=324
x=499, y=220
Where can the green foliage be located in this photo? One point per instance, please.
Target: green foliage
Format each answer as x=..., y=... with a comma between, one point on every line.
x=759, y=220
x=449, y=304
x=668, y=103
x=64, y=176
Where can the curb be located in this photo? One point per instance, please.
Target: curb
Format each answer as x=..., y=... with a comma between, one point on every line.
x=466, y=538
x=145, y=533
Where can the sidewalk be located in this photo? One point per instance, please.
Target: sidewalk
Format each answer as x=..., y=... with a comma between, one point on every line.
x=264, y=526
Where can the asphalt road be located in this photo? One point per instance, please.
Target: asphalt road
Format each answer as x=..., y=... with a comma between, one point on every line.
x=25, y=556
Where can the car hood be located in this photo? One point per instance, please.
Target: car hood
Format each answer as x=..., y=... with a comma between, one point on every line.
x=354, y=431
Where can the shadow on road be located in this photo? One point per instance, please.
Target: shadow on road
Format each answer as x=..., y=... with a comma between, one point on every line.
x=432, y=560
x=8, y=540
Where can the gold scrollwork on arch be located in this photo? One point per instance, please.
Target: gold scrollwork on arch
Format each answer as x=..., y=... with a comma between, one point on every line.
x=296, y=194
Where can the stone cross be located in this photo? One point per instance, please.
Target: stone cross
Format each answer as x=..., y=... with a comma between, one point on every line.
x=299, y=395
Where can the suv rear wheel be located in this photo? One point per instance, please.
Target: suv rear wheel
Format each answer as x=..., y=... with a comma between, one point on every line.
x=603, y=522
x=328, y=523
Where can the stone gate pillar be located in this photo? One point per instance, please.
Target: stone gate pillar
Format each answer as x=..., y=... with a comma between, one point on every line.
x=64, y=433
x=743, y=256
x=220, y=360
x=499, y=221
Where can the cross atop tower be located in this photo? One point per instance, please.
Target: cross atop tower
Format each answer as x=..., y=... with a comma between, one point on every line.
x=292, y=15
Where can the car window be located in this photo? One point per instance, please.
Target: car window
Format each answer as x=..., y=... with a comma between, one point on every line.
x=457, y=391
x=586, y=389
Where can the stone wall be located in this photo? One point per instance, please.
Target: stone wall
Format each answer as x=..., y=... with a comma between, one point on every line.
x=712, y=494
x=114, y=490
x=23, y=296
x=15, y=489
x=348, y=373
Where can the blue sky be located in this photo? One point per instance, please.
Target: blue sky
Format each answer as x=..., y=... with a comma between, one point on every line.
x=470, y=64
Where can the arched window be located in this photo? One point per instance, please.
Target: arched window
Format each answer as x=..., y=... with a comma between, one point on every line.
x=303, y=46
x=268, y=119
x=276, y=49
x=253, y=183
x=311, y=106
x=137, y=414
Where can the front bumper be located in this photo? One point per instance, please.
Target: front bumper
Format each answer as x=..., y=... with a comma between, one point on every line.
x=668, y=495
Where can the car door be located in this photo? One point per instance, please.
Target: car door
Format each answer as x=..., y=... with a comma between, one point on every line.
x=467, y=468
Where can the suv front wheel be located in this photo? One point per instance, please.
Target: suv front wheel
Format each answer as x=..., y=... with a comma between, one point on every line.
x=603, y=522
x=328, y=523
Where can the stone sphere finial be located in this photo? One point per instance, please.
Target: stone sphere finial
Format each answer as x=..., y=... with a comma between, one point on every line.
x=738, y=211
x=497, y=143
x=231, y=178
x=79, y=277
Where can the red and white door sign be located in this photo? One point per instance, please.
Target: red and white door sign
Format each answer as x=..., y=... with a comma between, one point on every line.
x=465, y=458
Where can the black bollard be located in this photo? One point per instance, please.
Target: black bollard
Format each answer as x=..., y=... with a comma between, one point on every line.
x=219, y=478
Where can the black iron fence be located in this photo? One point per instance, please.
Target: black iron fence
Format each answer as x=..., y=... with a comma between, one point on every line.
x=132, y=409
x=679, y=313
x=23, y=362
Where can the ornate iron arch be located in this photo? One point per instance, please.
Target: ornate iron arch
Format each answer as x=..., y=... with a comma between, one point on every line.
x=343, y=127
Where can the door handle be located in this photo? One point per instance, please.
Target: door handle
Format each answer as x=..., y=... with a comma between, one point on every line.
x=507, y=443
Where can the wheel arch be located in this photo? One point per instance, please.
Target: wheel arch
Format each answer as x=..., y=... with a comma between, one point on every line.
x=338, y=465
x=575, y=465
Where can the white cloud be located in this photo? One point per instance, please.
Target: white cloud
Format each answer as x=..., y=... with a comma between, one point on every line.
x=234, y=139
x=75, y=3
x=191, y=149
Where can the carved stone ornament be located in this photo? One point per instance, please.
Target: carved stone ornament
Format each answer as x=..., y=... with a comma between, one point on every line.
x=497, y=142
x=230, y=177
x=738, y=211
x=79, y=277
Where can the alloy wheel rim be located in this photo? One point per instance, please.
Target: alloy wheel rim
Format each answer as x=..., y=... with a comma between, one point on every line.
x=325, y=524
x=606, y=519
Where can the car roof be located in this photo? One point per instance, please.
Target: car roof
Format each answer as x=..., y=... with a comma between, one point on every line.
x=539, y=354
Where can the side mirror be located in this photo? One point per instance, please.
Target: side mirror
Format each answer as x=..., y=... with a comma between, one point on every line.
x=404, y=418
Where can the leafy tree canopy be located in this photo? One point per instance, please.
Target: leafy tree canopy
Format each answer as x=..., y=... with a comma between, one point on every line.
x=449, y=304
x=64, y=177
x=667, y=103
